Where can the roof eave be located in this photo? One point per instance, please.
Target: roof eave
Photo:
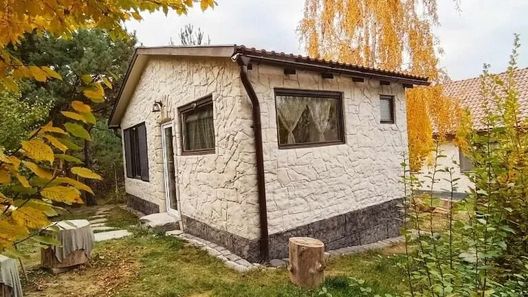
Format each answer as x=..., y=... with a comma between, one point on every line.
x=138, y=62
x=397, y=78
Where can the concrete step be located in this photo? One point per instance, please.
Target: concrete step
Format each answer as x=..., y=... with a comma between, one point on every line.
x=102, y=236
x=161, y=222
x=103, y=228
x=97, y=221
x=95, y=217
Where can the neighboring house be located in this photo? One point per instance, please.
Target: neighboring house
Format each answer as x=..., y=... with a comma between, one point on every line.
x=250, y=147
x=467, y=91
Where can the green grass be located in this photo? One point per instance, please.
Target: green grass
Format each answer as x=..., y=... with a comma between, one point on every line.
x=148, y=264
x=169, y=268
x=120, y=218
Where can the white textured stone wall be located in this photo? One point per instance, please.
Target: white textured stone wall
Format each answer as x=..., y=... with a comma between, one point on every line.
x=309, y=184
x=217, y=189
x=450, y=150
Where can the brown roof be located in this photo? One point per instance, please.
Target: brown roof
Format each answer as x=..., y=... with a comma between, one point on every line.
x=468, y=92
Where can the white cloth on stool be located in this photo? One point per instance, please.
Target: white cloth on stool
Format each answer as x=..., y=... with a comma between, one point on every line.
x=9, y=275
x=73, y=235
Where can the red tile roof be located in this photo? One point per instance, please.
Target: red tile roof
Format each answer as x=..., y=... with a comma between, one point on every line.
x=468, y=92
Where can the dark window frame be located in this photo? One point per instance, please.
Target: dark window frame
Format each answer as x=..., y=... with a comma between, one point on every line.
x=391, y=99
x=133, y=156
x=315, y=94
x=185, y=110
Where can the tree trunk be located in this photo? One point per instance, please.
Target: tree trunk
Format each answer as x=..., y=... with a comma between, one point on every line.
x=307, y=262
x=89, y=199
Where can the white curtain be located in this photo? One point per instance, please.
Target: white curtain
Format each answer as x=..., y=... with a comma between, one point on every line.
x=200, y=130
x=320, y=111
x=290, y=110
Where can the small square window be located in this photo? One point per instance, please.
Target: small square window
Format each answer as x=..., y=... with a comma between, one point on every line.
x=386, y=109
x=197, y=127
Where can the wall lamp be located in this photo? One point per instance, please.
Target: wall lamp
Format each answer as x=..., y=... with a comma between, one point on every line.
x=157, y=106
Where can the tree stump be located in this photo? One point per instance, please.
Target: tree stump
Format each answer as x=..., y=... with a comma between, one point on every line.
x=50, y=261
x=306, y=262
x=5, y=291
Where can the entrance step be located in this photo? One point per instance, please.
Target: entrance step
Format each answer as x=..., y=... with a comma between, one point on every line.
x=161, y=222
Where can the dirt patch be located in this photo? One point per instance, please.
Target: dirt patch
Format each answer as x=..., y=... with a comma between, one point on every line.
x=105, y=276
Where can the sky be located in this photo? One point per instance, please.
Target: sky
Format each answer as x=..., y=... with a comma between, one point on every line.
x=480, y=32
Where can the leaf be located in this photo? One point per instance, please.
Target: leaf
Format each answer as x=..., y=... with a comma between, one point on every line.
x=89, y=117
x=107, y=82
x=47, y=240
x=94, y=92
x=86, y=78
x=77, y=130
x=75, y=183
x=40, y=172
x=12, y=160
x=37, y=150
x=47, y=208
x=5, y=177
x=74, y=116
x=30, y=217
x=79, y=106
x=11, y=252
x=38, y=73
x=70, y=144
x=52, y=73
x=63, y=194
x=56, y=143
x=49, y=128
x=86, y=173
x=23, y=181
x=68, y=158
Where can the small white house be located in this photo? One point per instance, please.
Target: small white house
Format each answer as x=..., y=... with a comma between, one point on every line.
x=468, y=94
x=250, y=147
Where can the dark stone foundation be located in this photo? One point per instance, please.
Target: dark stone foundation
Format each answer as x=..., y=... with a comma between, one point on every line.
x=245, y=248
x=141, y=205
x=363, y=226
x=359, y=227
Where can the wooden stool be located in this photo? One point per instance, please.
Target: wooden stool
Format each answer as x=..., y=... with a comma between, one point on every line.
x=50, y=261
x=9, y=279
x=306, y=262
x=6, y=291
x=76, y=241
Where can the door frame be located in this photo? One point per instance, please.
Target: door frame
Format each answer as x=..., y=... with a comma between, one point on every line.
x=168, y=209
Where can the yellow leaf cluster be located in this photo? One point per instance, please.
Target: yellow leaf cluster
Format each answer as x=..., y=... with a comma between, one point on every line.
x=42, y=169
x=393, y=35
x=30, y=217
x=37, y=150
x=86, y=173
x=62, y=194
x=62, y=18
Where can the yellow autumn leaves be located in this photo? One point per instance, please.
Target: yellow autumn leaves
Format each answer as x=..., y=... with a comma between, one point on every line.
x=395, y=36
x=35, y=176
x=62, y=18
x=38, y=173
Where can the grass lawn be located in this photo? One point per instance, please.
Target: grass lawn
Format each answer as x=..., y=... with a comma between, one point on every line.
x=147, y=264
